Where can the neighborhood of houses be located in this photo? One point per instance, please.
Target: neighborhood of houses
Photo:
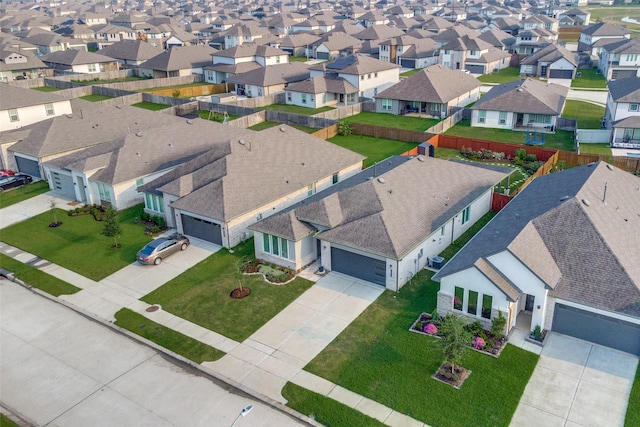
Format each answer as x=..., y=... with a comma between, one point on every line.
x=563, y=251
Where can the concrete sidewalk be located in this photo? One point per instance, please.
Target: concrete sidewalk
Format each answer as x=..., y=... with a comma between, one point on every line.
x=34, y=206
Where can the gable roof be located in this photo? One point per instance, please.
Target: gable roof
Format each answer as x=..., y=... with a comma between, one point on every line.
x=133, y=50
x=591, y=237
x=355, y=64
x=273, y=74
x=323, y=84
x=550, y=53
x=625, y=90
x=436, y=84
x=75, y=57
x=524, y=96
x=250, y=49
x=179, y=58
x=16, y=97
x=606, y=29
x=623, y=46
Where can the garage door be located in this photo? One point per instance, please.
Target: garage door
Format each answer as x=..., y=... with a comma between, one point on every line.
x=407, y=63
x=597, y=328
x=360, y=266
x=63, y=183
x=560, y=74
x=475, y=69
x=322, y=55
x=622, y=74
x=28, y=166
x=202, y=229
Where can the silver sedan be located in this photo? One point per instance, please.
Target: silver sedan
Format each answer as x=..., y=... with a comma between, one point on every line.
x=157, y=250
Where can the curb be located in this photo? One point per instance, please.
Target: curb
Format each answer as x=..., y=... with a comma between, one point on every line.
x=216, y=377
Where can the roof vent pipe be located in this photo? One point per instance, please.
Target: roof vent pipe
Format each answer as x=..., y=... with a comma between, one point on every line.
x=586, y=202
x=604, y=196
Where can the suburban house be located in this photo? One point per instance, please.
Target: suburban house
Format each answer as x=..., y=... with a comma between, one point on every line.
x=597, y=35
x=473, y=54
x=421, y=54
x=269, y=79
x=179, y=61
x=620, y=59
x=434, y=91
x=79, y=61
x=623, y=112
x=384, y=224
x=297, y=44
x=322, y=91
x=368, y=75
x=130, y=52
x=521, y=104
x=22, y=107
x=221, y=192
x=552, y=61
x=245, y=32
x=19, y=65
x=240, y=59
x=531, y=41
x=391, y=48
x=51, y=42
x=336, y=45
x=563, y=252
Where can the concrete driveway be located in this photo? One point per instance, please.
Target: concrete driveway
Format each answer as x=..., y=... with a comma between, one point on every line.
x=577, y=383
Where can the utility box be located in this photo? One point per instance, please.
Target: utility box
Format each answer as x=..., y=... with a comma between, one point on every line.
x=426, y=149
x=436, y=262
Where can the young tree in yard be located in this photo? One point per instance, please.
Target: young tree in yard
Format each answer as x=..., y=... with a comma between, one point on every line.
x=112, y=226
x=455, y=339
x=54, y=214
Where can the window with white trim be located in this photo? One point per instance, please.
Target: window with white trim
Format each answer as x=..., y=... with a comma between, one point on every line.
x=304, y=98
x=153, y=203
x=482, y=116
x=13, y=115
x=275, y=245
x=289, y=96
x=105, y=192
x=633, y=107
x=49, y=109
x=503, y=117
x=387, y=104
x=92, y=68
x=465, y=214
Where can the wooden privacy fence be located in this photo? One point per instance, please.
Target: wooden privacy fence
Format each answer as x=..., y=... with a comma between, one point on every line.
x=457, y=142
x=192, y=91
x=328, y=132
x=629, y=164
x=389, y=133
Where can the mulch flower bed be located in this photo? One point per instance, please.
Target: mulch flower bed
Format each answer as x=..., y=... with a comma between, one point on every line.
x=455, y=378
x=238, y=293
x=483, y=342
x=274, y=274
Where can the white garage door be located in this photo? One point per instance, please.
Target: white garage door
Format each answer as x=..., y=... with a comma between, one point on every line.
x=63, y=183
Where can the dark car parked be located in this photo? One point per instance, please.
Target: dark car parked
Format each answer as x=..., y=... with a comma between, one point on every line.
x=8, y=182
x=160, y=248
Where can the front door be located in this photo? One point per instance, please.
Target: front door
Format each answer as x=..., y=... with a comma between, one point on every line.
x=528, y=306
x=82, y=189
x=519, y=119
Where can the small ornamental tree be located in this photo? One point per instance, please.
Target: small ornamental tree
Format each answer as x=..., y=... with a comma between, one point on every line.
x=344, y=128
x=112, y=226
x=497, y=325
x=455, y=338
x=54, y=214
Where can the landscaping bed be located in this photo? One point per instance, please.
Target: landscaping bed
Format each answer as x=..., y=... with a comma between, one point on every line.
x=272, y=273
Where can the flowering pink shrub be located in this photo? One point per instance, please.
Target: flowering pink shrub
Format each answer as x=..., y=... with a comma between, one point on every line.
x=431, y=329
x=478, y=343
x=457, y=303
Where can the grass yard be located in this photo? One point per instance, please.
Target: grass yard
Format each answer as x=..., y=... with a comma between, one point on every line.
x=201, y=295
x=410, y=72
x=263, y=125
x=377, y=357
x=375, y=149
x=95, y=98
x=294, y=109
x=97, y=81
x=561, y=140
x=633, y=410
x=46, y=89
x=36, y=278
x=298, y=59
x=6, y=422
x=453, y=248
x=150, y=106
x=11, y=197
x=325, y=410
x=151, y=89
x=589, y=79
x=78, y=244
x=588, y=115
x=393, y=121
x=166, y=337
x=505, y=75
x=601, y=149
x=215, y=117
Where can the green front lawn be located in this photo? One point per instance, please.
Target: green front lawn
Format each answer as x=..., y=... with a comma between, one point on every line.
x=95, y=98
x=588, y=115
x=11, y=197
x=505, y=75
x=377, y=357
x=36, y=278
x=294, y=109
x=633, y=409
x=201, y=295
x=589, y=79
x=215, y=117
x=166, y=337
x=150, y=106
x=393, y=121
x=46, y=89
x=324, y=409
x=375, y=149
x=78, y=244
x=561, y=140
x=600, y=149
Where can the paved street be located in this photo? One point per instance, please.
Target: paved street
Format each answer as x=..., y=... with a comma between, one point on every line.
x=60, y=368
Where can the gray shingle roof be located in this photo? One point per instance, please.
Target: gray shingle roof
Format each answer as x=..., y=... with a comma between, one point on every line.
x=550, y=53
x=16, y=97
x=273, y=74
x=31, y=61
x=594, y=247
x=323, y=84
x=132, y=50
x=250, y=49
x=75, y=57
x=436, y=84
x=625, y=90
x=525, y=96
x=631, y=46
x=356, y=65
x=606, y=29
x=179, y=58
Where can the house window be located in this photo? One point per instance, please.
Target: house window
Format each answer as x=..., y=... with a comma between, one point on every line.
x=275, y=246
x=334, y=178
x=375, y=91
x=441, y=231
x=376, y=75
x=266, y=240
x=289, y=96
x=632, y=58
x=368, y=76
x=487, y=303
x=104, y=192
x=465, y=214
x=139, y=182
x=277, y=59
x=446, y=52
x=153, y=203
x=503, y=117
x=473, y=53
x=362, y=77
x=304, y=98
x=386, y=104
x=458, y=298
x=435, y=107
x=49, y=109
x=482, y=116
x=539, y=118
x=13, y=115
x=310, y=190
x=633, y=107
x=472, y=305
x=92, y=68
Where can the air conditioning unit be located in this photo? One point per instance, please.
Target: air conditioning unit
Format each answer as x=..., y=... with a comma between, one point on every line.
x=436, y=262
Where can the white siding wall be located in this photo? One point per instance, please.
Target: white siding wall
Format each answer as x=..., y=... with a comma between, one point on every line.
x=312, y=100
x=492, y=120
x=33, y=114
x=367, y=86
x=561, y=64
x=622, y=111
